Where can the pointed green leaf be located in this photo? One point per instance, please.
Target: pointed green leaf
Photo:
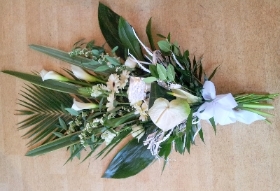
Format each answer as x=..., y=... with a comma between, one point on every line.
x=130, y=160
x=128, y=39
x=164, y=46
x=49, y=84
x=171, y=72
x=212, y=121
x=153, y=70
x=149, y=80
x=109, y=22
x=213, y=73
x=149, y=34
x=54, y=145
x=161, y=72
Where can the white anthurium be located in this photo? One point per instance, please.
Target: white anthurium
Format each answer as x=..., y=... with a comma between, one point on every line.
x=130, y=62
x=83, y=75
x=179, y=93
x=218, y=106
x=80, y=106
x=166, y=115
x=51, y=75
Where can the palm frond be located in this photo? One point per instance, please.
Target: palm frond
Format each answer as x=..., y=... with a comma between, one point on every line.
x=43, y=108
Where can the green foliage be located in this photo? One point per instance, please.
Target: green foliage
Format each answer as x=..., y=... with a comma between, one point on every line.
x=43, y=106
x=108, y=22
x=128, y=39
x=149, y=34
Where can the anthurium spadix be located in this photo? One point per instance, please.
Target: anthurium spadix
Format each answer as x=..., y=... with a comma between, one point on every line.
x=166, y=115
x=51, y=75
x=185, y=95
x=80, y=106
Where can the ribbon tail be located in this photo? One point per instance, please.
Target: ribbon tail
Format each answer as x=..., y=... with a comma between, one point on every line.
x=247, y=117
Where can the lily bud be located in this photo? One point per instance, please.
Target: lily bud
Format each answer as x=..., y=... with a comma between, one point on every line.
x=185, y=95
x=80, y=106
x=130, y=62
x=83, y=75
x=51, y=75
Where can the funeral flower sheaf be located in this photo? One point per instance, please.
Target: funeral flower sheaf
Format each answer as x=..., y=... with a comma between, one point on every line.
x=155, y=95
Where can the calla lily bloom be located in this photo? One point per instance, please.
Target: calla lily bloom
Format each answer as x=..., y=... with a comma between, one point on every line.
x=80, y=106
x=51, y=75
x=166, y=115
x=83, y=75
x=185, y=95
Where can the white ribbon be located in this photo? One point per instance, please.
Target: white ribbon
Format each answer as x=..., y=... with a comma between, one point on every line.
x=221, y=107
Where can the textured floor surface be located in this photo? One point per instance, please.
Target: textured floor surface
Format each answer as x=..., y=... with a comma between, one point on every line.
x=243, y=37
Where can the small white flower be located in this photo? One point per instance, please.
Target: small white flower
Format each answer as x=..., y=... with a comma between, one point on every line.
x=142, y=109
x=108, y=136
x=113, y=83
x=137, y=131
x=80, y=106
x=110, y=103
x=51, y=75
x=124, y=78
x=130, y=62
x=95, y=91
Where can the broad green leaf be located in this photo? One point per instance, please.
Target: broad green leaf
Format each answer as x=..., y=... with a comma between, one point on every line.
x=179, y=145
x=49, y=84
x=170, y=72
x=109, y=22
x=149, y=34
x=164, y=46
x=161, y=72
x=130, y=160
x=153, y=70
x=189, y=123
x=149, y=80
x=102, y=68
x=54, y=145
x=128, y=39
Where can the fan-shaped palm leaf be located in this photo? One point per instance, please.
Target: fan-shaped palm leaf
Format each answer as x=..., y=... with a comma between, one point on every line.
x=44, y=107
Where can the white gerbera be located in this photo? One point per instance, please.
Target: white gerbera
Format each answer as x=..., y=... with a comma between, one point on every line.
x=124, y=78
x=110, y=103
x=113, y=83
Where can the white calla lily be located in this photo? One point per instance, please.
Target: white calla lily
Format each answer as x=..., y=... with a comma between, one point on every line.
x=185, y=95
x=80, y=106
x=83, y=75
x=51, y=75
x=166, y=115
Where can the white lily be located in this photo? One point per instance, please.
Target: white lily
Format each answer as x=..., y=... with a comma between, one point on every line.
x=130, y=62
x=185, y=95
x=83, y=75
x=166, y=115
x=80, y=106
x=51, y=75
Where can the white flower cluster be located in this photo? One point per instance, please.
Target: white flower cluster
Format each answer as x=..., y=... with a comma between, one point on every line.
x=108, y=136
x=141, y=107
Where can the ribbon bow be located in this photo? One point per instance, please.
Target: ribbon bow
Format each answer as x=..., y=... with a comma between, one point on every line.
x=221, y=108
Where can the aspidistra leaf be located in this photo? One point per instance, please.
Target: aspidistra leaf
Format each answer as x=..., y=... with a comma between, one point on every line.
x=128, y=39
